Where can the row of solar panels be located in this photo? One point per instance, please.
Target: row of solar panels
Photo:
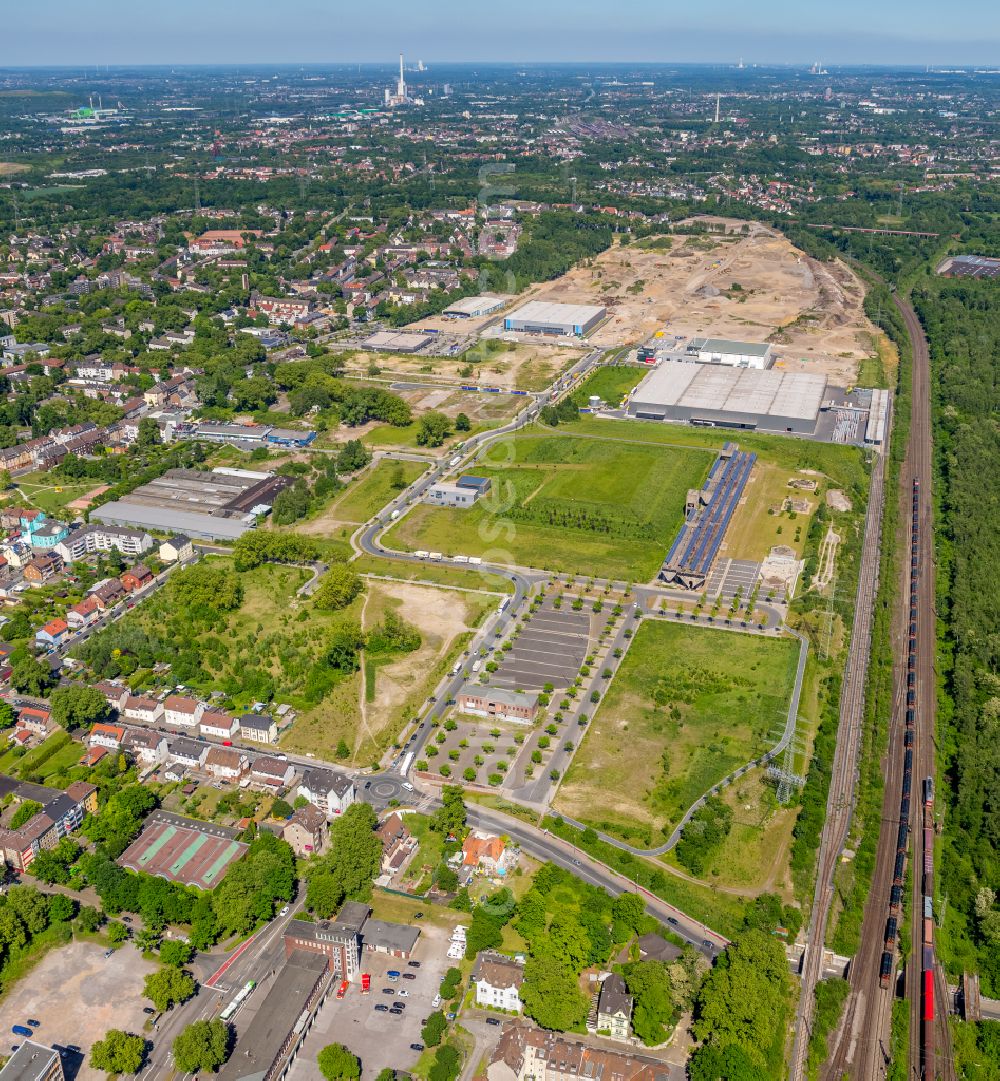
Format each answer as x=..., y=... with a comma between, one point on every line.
x=698, y=543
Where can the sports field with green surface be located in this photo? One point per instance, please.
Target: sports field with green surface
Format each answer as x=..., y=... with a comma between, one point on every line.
x=592, y=507
x=687, y=706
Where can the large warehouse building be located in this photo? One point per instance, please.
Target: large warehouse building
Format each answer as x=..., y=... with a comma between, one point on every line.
x=725, y=397
x=207, y=505
x=475, y=307
x=543, y=317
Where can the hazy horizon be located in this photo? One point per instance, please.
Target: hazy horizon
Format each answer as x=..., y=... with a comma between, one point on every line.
x=227, y=32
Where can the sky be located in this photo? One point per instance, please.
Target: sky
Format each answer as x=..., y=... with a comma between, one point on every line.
x=83, y=32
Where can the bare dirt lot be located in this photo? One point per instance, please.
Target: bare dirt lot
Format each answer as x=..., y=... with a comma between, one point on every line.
x=811, y=311
x=442, y=616
x=78, y=995
x=530, y=366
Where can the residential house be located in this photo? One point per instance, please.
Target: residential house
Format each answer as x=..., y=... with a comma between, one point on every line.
x=486, y=853
x=114, y=693
x=137, y=577
x=42, y=568
x=306, y=831
x=331, y=792
x=272, y=773
x=524, y=1052
x=108, y=593
x=35, y=720
x=52, y=633
x=188, y=753
x=226, y=763
x=216, y=725
x=498, y=981
x=182, y=712
x=177, y=549
x=614, y=1008
x=147, y=746
x=106, y=735
x=142, y=710
x=397, y=843
x=82, y=614
x=258, y=728
x=33, y=1062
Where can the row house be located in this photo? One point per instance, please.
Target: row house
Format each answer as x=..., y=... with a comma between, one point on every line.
x=106, y=735
x=182, y=712
x=271, y=773
x=146, y=746
x=258, y=728
x=217, y=725
x=83, y=613
x=91, y=539
x=141, y=710
x=306, y=831
x=226, y=763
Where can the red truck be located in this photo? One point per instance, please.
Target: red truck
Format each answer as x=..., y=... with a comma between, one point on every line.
x=366, y=982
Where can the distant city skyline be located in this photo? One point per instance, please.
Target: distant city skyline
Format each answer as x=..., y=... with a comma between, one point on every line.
x=962, y=33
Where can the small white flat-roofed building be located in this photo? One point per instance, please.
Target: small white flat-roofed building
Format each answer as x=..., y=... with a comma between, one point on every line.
x=475, y=307
x=446, y=494
x=732, y=354
x=547, y=317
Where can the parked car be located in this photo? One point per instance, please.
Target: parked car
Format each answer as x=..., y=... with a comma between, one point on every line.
x=393, y=974
x=21, y=1030
x=416, y=1047
x=493, y=1020
x=397, y=1007
x=381, y=1007
x=413, y=964
x=148, y=1010
x=33, y=1022
x=404, y=993
x=409, y=976
x=388, y=990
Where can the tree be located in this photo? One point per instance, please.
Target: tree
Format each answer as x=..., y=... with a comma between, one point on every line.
x=89, y=919
x=628, y=910
x=434, y=1029
x=462, y=423
x=433, y=430
x=551, y=994
x=202, y=1046
x=168, y=985
x=649, y=985
x=78, y=707
x=30, y=676
x=343, y=648
x=743, y=999
x=336, y=1063
x=353, y=862
x=117, y=932
x=176, y=953
x=7, y=715
x=281, y=809
x=338, y=587
x=450, y=818
x=118, y=1053
x=730, y=1063
x=149, y=433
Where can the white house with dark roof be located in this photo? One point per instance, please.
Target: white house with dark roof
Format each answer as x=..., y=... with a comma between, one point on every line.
x=258, y=728
x=498, y=981
x=331, y=792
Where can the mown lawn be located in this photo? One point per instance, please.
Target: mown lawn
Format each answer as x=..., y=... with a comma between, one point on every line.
x=687, y=706
x=590, y=507
x=610, y=383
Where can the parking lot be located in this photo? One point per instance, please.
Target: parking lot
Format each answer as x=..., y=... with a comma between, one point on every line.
x=378, y=1037
x=550, y=648
x=78, y=994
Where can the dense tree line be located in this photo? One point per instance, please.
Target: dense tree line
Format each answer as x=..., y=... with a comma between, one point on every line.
x=962, y=320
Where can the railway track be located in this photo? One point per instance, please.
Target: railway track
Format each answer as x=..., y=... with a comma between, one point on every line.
x=862, y=1048
x=841, y=796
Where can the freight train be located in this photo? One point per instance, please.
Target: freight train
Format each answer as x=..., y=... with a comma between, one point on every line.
x=926, y=824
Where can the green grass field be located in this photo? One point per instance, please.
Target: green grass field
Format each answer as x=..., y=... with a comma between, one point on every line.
x=593, y=507
x=687, y=706
x=369, y=494
x=49, y=494
x=611, y=384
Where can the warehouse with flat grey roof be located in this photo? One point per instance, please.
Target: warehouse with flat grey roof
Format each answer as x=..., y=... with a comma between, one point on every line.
x=724, y=397
x=731, y=353
x=474, y=307
x=545, y=317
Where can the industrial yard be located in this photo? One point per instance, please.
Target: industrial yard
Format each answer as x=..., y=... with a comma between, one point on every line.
x=812, y=312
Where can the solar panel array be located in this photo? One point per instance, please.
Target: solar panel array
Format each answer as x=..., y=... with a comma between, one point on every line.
x=973, y=266
x=697, y=544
